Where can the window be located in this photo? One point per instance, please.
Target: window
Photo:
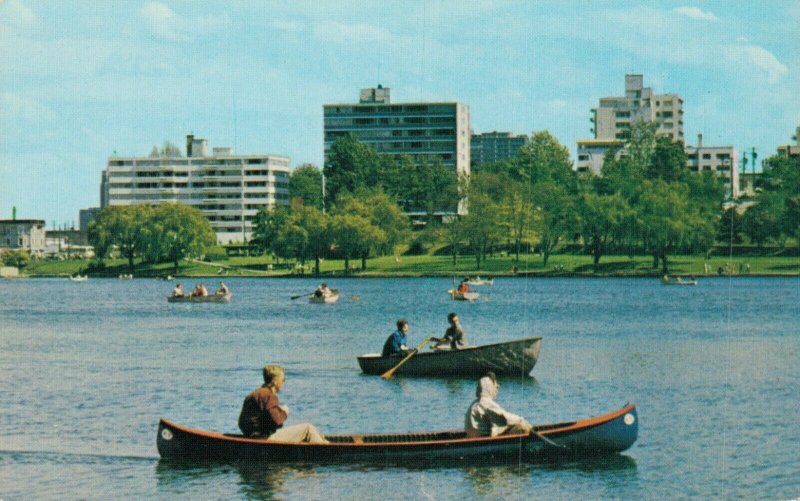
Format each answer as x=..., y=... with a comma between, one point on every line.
x=706, y=156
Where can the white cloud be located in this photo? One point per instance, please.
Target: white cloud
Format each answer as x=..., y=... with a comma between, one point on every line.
x=14, y=107
x=696, y=13
x=749, y=56
x=333, y=31
x=16, y=12
x=161, y=19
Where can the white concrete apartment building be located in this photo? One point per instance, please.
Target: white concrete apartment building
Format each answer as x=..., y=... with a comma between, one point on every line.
x=614, y=116
x=23, y=234
x=425, y=131
x=229, y=189
x=720, y=160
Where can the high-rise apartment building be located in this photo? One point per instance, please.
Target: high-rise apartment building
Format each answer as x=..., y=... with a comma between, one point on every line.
x=614, y=116
x=720, y=160
x=426, y=131
x=229, y=189
x=491, y=147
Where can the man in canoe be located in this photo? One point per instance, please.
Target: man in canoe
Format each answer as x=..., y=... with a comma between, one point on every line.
x=223, y=289
x=485, y=418
x=454, y=335
x=178, y=290
x=322, y=290
x=396, y=343
x=262, y=415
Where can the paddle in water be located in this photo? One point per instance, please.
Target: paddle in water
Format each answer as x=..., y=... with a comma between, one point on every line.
x=388, y=374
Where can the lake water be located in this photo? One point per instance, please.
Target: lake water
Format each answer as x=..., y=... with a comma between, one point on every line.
x=87, y=369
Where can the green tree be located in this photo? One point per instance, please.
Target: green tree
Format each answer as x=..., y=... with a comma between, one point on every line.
x=268, y=221
x=16, y=257
x=170, y=150
x=762, y=221
x=480, y=224
x=351, y=165
x=601, y=218
x=305, y=183
x=316, y=227
x=178, y=231
x=353, y=236
x=125, y=227
x=557, y=215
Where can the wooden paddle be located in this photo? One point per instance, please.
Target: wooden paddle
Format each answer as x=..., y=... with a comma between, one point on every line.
x=388, y=374
x=300, y=295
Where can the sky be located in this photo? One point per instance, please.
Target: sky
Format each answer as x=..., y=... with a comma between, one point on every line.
x=83, y=80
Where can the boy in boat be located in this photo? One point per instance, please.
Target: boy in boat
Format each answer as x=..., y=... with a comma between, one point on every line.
x=262, y=415
x=485, y=418
x=223, y=289
x=463, y=286
x=178, y=290
x=454, y=335
x=396, y=342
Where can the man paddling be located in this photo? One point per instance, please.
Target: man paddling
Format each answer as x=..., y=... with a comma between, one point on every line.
x=454, y=335
x=396, y=343
x=485, y=418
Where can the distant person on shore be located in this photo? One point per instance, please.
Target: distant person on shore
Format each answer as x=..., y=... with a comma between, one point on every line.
x=178, y=290
x=223, y=289
x=262, y=415
x=396, y=343
x=454, y=335
x=485, y=418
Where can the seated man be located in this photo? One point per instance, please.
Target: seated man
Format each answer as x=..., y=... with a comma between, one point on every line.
x=396, y=342
x=263, y=416
x=178, y=290
x=223, y=289
x=463, y=286
x=454, y=335
x=485, y=418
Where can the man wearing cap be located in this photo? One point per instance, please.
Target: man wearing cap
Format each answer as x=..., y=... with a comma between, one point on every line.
x=485, y=418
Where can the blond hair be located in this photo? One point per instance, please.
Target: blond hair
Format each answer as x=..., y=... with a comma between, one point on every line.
x=271, y=373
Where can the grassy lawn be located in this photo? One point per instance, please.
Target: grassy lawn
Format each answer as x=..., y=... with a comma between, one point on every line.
x=432, y=265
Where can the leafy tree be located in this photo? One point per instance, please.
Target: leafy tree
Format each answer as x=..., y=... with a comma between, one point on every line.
x=480, y=224
x=601, y=217
x=790, y=221
x=543, y=158
x=434, y=187
x=305, y=183
x=353, y=236
x=267, y=223
x=16, y=257
x=178, y=231
x=762, y=221
x=124, y=227
x=170, y=150
x=316, y=228
x=557, y=215
x=351, y=165
x=730, y=228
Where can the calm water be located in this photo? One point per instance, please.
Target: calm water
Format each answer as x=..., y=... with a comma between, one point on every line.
x=88, y=368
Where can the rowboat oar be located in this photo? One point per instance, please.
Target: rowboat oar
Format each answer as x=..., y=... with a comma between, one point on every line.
x=388, y=374
x=300, y=295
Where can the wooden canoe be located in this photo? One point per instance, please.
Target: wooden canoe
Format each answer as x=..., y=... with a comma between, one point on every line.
x=510, y=358
x=211, y=298
x=325, y=299
x=603, y=435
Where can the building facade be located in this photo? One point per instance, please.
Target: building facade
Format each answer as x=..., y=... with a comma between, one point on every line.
x=25, y=234
x=614, y=116
x=720, y=160
x=86, y=216
x=424, y=131
x=490, y=147
x=228, y=189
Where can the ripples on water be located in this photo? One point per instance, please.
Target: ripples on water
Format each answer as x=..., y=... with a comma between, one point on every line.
x=88, y=368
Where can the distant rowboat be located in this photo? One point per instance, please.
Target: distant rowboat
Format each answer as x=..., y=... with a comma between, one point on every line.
x=509, y=358
x=191, y=298
x=329, y=298
x=79, y=278
x=667, y=280
x=599, y=436
x=463, y=296
x=481, y=281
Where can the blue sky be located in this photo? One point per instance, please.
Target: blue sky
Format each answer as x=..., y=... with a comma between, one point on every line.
x=82, y=80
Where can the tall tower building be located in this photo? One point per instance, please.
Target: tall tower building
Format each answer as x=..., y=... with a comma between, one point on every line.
x=426, y=131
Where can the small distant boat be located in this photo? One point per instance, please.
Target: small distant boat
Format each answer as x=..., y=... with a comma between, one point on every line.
x=126, y=276
x=329, y=298
x=191, y=298
x=79, y=278
x=668, y=280
x=481, y=281
x=463, y=296
x=509, y=358
x=598, y=436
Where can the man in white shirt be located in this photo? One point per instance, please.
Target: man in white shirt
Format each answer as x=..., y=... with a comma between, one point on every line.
x=485, y=418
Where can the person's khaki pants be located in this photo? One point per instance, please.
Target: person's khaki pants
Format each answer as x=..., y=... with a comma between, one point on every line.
x=303, y=432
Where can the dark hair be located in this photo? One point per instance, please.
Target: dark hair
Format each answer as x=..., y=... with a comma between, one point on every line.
x=401, y=323
x=491, y=375
x=451, y=316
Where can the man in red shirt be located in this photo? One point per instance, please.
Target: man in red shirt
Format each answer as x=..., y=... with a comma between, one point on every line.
x=263, y=416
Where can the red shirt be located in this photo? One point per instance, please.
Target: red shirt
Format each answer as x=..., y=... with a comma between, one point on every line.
x=261, y=414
